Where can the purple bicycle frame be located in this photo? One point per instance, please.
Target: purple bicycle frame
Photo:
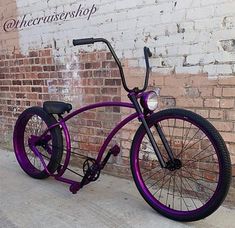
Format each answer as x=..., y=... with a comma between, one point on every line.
x=62, y=123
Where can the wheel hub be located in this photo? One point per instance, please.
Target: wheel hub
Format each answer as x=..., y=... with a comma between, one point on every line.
x=173, y=165
x=34, y=141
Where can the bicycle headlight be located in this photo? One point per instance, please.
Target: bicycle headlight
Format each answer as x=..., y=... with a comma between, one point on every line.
x=149, y=100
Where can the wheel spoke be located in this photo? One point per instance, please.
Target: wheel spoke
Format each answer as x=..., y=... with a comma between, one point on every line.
x=194, y=180
x=158, y=180
x=189, y=183
x=160, y=188
x=199, y=154
x=152, y=175
x=186, y=136
x=201, y=176
x=191, y=140
x=190, y=197
x=168, y=191
x=181, y=198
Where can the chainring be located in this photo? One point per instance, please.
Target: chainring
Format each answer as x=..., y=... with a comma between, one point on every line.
x=91, y=170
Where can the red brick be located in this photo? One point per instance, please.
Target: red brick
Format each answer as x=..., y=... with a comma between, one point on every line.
x=49, y=68
x=216, y=114
x=185, y=102
x=101, y=73
x=37, y=89
x=33, y=54
x=4, y=88
x=226, y=103
x=32, y=96
x=223, y=126
x=113, y=82
x=212, y=103
x=111, y=91
x=36, y=68
x=92, y=65
x=228, y=92
x=44, y=53
x=109, y=64
x=38, y=82
x=20, y=95
x=16, y=82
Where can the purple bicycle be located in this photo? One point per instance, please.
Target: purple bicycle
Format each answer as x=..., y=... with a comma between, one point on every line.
x=179, y=161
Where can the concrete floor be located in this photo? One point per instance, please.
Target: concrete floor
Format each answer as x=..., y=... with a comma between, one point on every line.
x=109, y=202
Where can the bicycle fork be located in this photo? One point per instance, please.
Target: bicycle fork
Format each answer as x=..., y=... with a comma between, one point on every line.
x=141, y=118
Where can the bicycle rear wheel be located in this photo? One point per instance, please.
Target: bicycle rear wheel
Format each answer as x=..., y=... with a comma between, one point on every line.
x=198, y=184
x=30, y=125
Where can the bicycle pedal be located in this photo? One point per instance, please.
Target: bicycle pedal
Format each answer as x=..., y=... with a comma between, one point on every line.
x=115, y=150
x=74, y=188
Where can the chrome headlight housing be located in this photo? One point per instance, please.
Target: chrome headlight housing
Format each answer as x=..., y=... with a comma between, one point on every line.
x=149, y=100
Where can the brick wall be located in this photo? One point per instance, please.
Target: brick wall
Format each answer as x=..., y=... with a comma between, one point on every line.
x=193, y=62
x=186, y=36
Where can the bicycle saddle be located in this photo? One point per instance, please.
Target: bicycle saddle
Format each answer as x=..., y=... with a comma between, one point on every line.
x=56, y=107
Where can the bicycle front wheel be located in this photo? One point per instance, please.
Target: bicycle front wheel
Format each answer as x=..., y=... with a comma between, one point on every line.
x=194, y=186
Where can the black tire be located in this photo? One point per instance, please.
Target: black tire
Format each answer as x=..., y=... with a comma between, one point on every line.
x=23, y=152
x=222, y=175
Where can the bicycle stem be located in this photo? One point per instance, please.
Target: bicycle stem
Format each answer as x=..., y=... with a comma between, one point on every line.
x=132, y=97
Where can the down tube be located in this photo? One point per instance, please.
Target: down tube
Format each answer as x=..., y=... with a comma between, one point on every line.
x=112, y=133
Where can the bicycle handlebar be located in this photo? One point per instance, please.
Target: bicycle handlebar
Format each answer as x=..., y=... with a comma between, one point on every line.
x=83, y=41
x=147, y=54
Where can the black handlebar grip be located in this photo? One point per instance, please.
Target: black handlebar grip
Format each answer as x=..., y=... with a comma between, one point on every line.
x=148, y=52
x=83, y=41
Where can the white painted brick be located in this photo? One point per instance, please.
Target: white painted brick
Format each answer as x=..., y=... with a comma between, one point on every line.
x=173, y=39
x=178, y=16
x=172, y=50
x=123, y=25
x=224, y=69
x=208, y=24
x=194, y=59
x=183, y=49
x=233, y=68
x=207, y=2
x=225, y=9
x=209, y=58
x=172, y=29
x=175, y=61
x=200, y=13
x=214, y=70
x=156, y=62
x=191, y=37
x=183, y=4
x=223, y=34
x=162, y=70
x=191, y=69
x=119, y=5
x=224, y=57
x=189, y=26
x=196, y=48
